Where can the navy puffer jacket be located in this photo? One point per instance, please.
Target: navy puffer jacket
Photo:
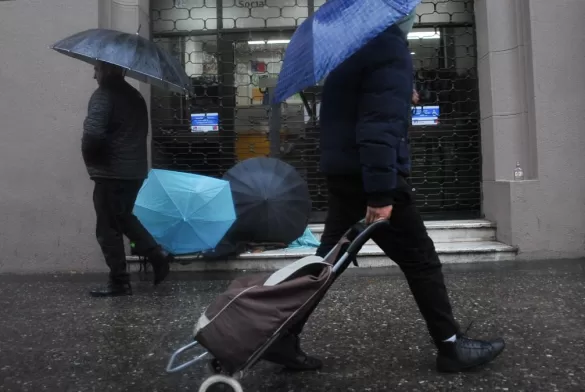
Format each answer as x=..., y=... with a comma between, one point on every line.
x=115, y=133
x=365, y=113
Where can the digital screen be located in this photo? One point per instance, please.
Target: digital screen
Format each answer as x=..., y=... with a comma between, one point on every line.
x=425, y=115
x=204, y=122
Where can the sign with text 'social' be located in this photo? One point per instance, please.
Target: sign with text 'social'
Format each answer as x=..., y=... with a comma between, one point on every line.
x=250, y=4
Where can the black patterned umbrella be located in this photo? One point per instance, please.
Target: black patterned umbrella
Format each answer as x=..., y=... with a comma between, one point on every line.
x=272, y=201
x=142, y=59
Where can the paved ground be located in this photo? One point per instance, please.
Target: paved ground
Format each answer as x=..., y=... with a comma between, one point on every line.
x=53, y=337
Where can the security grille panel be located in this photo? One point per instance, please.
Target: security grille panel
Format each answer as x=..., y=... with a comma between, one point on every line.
x=233, y=50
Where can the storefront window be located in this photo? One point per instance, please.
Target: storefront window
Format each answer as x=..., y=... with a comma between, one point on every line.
x=445, y=76
x=318, y=4
x=183, y=15
x=445, y=141
x=198, y=54
x=257, y=60
x=234, y=63
x=445, y=11
x=201, y=57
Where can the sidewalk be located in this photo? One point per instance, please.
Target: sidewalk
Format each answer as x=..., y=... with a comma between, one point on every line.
x=54, y=337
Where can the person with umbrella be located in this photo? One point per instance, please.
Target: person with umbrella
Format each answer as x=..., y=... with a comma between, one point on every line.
x=114, y=150
x=365, y=112
x=114, y=142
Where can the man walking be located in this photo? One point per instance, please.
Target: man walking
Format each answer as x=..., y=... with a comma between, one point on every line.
x=365, y=113
x=114, y=150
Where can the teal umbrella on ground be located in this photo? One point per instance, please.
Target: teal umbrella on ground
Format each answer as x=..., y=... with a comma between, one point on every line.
x=186, y=213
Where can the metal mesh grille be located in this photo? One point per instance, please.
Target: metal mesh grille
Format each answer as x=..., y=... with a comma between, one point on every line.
x=233, y=50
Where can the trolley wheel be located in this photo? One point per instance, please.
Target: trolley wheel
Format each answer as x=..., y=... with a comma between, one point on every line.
x=221, y=383
x=214, y=366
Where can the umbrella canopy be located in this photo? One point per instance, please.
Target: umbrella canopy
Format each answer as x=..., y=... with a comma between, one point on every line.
x=142, y=59
x=331, y=35
x=272, y=201
x=307, y=240
x=185, y=213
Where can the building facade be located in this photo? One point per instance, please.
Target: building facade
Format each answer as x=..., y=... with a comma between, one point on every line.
x=500, y=83
x=232, y=51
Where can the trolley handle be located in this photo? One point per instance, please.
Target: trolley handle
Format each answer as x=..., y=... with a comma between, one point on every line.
x=361, y=233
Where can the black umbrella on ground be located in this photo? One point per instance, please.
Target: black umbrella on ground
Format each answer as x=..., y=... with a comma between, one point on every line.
x=272, y=201
x=142, y=59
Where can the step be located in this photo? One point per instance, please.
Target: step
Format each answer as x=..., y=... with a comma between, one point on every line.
x=369, y=257
x=461, y=241
x=447, y=231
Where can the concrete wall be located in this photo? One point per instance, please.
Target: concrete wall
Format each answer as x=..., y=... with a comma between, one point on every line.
x=46, y=213
x=532, y=86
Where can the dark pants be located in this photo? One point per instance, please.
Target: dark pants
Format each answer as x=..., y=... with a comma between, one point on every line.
x=405, y=241
x=114, y=201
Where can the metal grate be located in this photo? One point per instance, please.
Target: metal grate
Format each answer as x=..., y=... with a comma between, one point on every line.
x=233, y=50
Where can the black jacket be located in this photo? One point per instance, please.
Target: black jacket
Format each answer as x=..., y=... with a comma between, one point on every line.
x=114, y=142
x=365, y=113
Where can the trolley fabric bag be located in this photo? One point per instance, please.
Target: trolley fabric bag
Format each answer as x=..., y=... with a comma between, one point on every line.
x=255, y=311
x=254, y=308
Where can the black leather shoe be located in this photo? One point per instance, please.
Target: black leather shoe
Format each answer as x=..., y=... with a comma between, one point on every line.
x=288, y=353
x=466, y=354
x=160, y=260
x=112, y=290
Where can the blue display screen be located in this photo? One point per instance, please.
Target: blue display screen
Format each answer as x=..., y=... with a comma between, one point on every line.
x=425, y=115
x=204, y=122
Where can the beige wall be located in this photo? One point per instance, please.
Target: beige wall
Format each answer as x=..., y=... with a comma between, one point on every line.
x=46, y=216
x=46, y=213
x=532, y=86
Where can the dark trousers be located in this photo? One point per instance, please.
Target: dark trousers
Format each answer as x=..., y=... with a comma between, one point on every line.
x=114, y=201
x=405, y=241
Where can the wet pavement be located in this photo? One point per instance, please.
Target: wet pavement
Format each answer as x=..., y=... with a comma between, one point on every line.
x=54, y=337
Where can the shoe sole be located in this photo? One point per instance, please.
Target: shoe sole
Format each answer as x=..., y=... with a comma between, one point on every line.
x=459, y=369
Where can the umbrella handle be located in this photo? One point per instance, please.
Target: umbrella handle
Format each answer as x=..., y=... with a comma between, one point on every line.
x=306, y=103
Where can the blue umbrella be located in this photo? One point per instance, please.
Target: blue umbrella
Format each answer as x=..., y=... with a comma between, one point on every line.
x=143, y=59
x=185, y=213
x=331, y=35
